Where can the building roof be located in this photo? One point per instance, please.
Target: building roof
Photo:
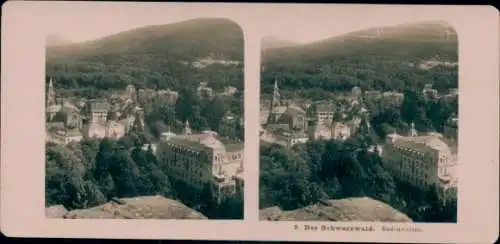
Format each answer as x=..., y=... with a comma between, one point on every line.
x=55, y=125
x=99, y=105
x=235, y=147
x=54, y=108
x=187, y=143
x=324, y=108
x=73, y=133
x=94, y=126
x=279, y=110
x=290, y=113
x=422, y=142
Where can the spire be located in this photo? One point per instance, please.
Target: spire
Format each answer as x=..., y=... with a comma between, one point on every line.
x=275, y=101
x=51, y=94
x=187, y=128
x=276, y=93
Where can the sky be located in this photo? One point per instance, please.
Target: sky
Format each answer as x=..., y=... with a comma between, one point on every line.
x=298, y=24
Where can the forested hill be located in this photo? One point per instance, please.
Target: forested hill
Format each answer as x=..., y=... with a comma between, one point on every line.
x=160, y=56
x=385, y=58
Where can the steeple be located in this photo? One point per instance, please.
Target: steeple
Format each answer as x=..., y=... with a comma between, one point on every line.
x=51, y=94
x=276, y=93
x=275, y=101
x=413, y=131
x=187, y=128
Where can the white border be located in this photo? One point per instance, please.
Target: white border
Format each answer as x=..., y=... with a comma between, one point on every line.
x=22, y=176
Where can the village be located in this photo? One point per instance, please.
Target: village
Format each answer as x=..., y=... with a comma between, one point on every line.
x=422, y=159
x=196, y=158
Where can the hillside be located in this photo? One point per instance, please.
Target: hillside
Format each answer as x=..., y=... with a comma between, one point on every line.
x=146, y=207
x=385, y=58
x=160, y=56
x=348, y=209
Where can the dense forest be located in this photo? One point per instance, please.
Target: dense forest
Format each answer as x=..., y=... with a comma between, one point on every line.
x=300, y=176
x=156, y=57
x=389, y=62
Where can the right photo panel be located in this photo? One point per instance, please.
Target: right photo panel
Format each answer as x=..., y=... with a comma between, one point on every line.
x=360, y=125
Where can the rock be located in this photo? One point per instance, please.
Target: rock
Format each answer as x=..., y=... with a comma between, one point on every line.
x=348, y=209
x=145, y=207
x=56, y=211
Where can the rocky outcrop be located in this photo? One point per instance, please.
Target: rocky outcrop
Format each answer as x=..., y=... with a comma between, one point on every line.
x=348, y=209
x=146, y=207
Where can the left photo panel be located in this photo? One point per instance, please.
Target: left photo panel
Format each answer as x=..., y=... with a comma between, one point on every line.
x=145, y=121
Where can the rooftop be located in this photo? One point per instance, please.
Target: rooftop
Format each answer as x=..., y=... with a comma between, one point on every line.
x=422, y=142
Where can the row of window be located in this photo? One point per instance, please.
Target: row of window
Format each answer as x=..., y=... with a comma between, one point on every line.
x=187, y=167
x=178, y=150
x=419, y=179
x=186, y=177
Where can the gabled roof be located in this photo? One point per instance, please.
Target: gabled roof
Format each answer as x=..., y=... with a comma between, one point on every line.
x=279, y=110
x=422, y=142
x=235, y=147
x=290, y=113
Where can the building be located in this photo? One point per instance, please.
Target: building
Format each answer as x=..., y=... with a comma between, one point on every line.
x=422, y=161
x=169, y=96
x=264, y=116
x=51, y=94
x=391, y=99
x=324, y=112
x=290, y=138
x=200, y=159
x=95, y=130
x=61, y=110
x=341, y=131
x=230, y=90
x=429, y=92
x=144, y=95
x=450, y=129
x=99, y=110
x=63, y=136
x=291, y=115
x=356, y=91
x=204, y=91
x=130, y=92
x=114, y=130
x=321, y=130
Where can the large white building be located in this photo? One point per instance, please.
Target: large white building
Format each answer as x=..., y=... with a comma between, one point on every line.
x=198, y=159
x=421, y=160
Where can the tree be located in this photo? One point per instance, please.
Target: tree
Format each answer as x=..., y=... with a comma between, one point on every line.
x=214, y=111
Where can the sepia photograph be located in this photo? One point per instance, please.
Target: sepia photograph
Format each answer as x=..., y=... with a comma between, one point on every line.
x=361, y=126
x=276, y=122
x=145, y=122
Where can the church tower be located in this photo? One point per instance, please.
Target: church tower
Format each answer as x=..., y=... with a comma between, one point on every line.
x=51, y=94
x=413, y=131
x=139, y=124
x=187, y=128
x=275, y=101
